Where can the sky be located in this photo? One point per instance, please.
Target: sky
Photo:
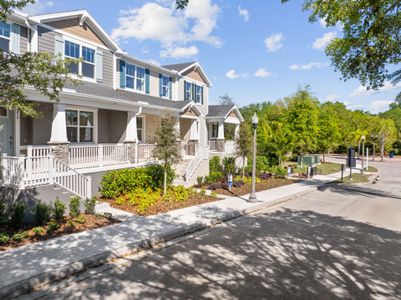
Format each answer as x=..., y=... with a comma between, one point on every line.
x=254, y=51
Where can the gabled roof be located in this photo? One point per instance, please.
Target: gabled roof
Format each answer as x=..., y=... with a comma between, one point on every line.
x=179, y=67
x=84, y=17
x=223, y=111
x=183, y=67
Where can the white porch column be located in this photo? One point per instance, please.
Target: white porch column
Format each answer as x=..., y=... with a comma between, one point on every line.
x=59, y=125
x=178, y=128
x=194, y=133
x=220, y=135
x=236, y=132
x=17, y=133
x=131, y=134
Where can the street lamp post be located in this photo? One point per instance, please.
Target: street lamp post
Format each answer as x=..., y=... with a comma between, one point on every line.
x=252, y=196
x=363, y=152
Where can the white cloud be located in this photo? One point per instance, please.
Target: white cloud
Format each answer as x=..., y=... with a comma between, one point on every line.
x=232, y=74
x=244, y=13
x=378, y=106
x=274, y=42
x=262, y=73
x=322, y=42
x=179, y=52
x=322, y=23
x=362, y=91
x=332, y=98
x=173, y=29
x=309, y=66
x=38, y=7
x=154, y=61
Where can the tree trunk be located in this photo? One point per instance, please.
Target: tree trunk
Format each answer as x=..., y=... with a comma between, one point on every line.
x=382, y=148
x=359, y=150
x=165, y=181
x=243, y=167
x=324, y=157
x=374, y=152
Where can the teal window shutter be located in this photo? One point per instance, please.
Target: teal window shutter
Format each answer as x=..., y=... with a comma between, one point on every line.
x=15, y=39
x=160, y=85
x=202, y=95
x=99, y=65
x=185, y=91
x=122, y=74
x=147, y=81
x=194, y=92
x=170, y=88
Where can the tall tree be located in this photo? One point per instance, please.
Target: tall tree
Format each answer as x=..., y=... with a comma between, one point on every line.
x=226, y=100
x=244, y=144
x=44, y=72
x=329, y=132
x=167, y=150
x=387, y=134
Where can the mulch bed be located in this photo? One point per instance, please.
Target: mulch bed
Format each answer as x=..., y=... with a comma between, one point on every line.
x=91, y=222
x=164, y=206
x=267, y=184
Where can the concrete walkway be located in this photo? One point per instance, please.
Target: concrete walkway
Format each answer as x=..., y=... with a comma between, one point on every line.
x=26, y=267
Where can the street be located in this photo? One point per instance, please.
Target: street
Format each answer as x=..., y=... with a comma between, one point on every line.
x=337, y=242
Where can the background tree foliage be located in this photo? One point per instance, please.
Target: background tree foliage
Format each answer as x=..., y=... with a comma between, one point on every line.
x=43, y=72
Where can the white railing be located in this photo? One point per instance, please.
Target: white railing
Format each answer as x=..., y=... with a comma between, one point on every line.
x=145, y=152
x=69, y=179
x=214, y=146
x=93, y=156
x=201, y=154
x=191, y=148
x=12, y=170
x=230, y=147
x=38, y=151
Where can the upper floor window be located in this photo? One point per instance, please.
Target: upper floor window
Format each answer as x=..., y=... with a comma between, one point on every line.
x=5, y=36
x=193, y=92
x=86, y=67
x=165, y=86
x=135, y=77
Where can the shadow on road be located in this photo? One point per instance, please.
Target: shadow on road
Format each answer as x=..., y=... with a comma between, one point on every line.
x=286, y=254
x=363, y=190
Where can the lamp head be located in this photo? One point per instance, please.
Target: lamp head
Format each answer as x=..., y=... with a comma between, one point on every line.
x=255, y=120
x=363, y=137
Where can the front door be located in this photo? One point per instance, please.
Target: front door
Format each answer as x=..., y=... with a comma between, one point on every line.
x=6, y=131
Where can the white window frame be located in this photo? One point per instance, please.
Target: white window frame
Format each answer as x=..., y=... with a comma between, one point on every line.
x=190, y=90
x=141, y=129
x=95, y=123
x=217, y=131
x=135, y=78
x=81, y=44
x=88, y=62
x=198, y=94
x=167, y=87
x=8, y=37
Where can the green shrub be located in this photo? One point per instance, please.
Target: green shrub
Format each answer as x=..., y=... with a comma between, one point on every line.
x=214, y=177
x=70, y=224
x=17, y=215
x=80, y=219
x=156, y=172
x=20, y=236
x=39, y=231
x=215, y=164
x=229, y=165
x=202, y=192
x=42, y=213
x=278, y=171
x=121, y=200
x=90, y=205
x=200, y=179
x=58, y=210
x=213, y=194
x=178, y=194
x=262, y=164
x=52, y=226
x=75, y=203
x=3, y=216
x=247, y=179
x=143, y=199
x=4, y=238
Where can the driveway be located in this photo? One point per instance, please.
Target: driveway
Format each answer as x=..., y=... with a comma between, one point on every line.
x=337, y=242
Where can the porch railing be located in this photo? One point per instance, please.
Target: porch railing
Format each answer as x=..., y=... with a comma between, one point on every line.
x=145, y=152
x=217, y=146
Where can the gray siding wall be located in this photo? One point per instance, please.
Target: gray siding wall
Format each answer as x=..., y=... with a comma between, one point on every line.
x=112, y=125
x=46, y=40
x=37, y=131
x=107, y=68
x=181, y=96
x=24, y=40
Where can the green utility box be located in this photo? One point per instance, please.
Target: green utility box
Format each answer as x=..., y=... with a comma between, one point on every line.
x=308, y=160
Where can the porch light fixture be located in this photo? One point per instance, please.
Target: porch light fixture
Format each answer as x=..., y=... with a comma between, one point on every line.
x=252, y=196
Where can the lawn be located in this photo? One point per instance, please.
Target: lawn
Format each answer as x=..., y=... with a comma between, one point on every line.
x=372, y=169
x=356, y=178
x=324, y=168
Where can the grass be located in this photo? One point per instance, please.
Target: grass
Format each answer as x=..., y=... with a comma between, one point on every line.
x=372, y=169
x=324, y=168
x=356, y=178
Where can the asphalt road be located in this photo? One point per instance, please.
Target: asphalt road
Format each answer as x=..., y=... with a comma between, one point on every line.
x=338, y=242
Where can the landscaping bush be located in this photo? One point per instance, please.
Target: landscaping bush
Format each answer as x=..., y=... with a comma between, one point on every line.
x=238, y=183
x=20, y=236
x=262, y=164
x=52, y=226
x=3, y=216
x=42, y=213
x=278, y=171
x=39, y=231
x=90, y=204
x=178, y=194
x=75, y=203
x=229, y=165
x=215, y=186
x=120, y=182
x=214, y=177
x=247, y=179
x=200, y=179
x=58, y=210
x=80, y=219
x=265, y=176
x=143, y=199
x=215, y=165
x=4, y=238
x=17, y=215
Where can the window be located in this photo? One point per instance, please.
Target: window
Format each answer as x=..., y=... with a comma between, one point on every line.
x=188, y=91
x=5, y=36
x=3, y=112
x=139, y=128
x=165, y=92
x=135, y=77
x=198, y=94
x=215, y=130
x=79, y=126
x=88, y=62
x=85, y=68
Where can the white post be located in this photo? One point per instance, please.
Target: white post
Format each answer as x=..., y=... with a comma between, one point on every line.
x=236, y=132
x=50, y=166
x=136, y=153
x=100, y=155
x=88, y=187
x=131, y=134
x=3, y=167
x=59, y=125
x=367, y=159
x=17, y=133
x=220, y=135
x=21, y=173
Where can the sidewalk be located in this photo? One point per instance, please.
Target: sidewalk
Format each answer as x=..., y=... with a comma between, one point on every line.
x=28, y=266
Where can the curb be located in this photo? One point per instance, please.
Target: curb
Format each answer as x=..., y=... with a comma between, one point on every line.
x=32, y=283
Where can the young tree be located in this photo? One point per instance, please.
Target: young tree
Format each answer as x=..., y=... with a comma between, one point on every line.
x=167, y=150
x=387, y=134
x=370, y=44
x=44, y=72
x=244, y=144
x=226, y=100
x=329, y=133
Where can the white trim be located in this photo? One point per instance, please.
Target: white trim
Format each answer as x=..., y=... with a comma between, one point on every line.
x=17, y=132
x=95, y=122
x=237, y=113
x=143, y=117
x=197, y=66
